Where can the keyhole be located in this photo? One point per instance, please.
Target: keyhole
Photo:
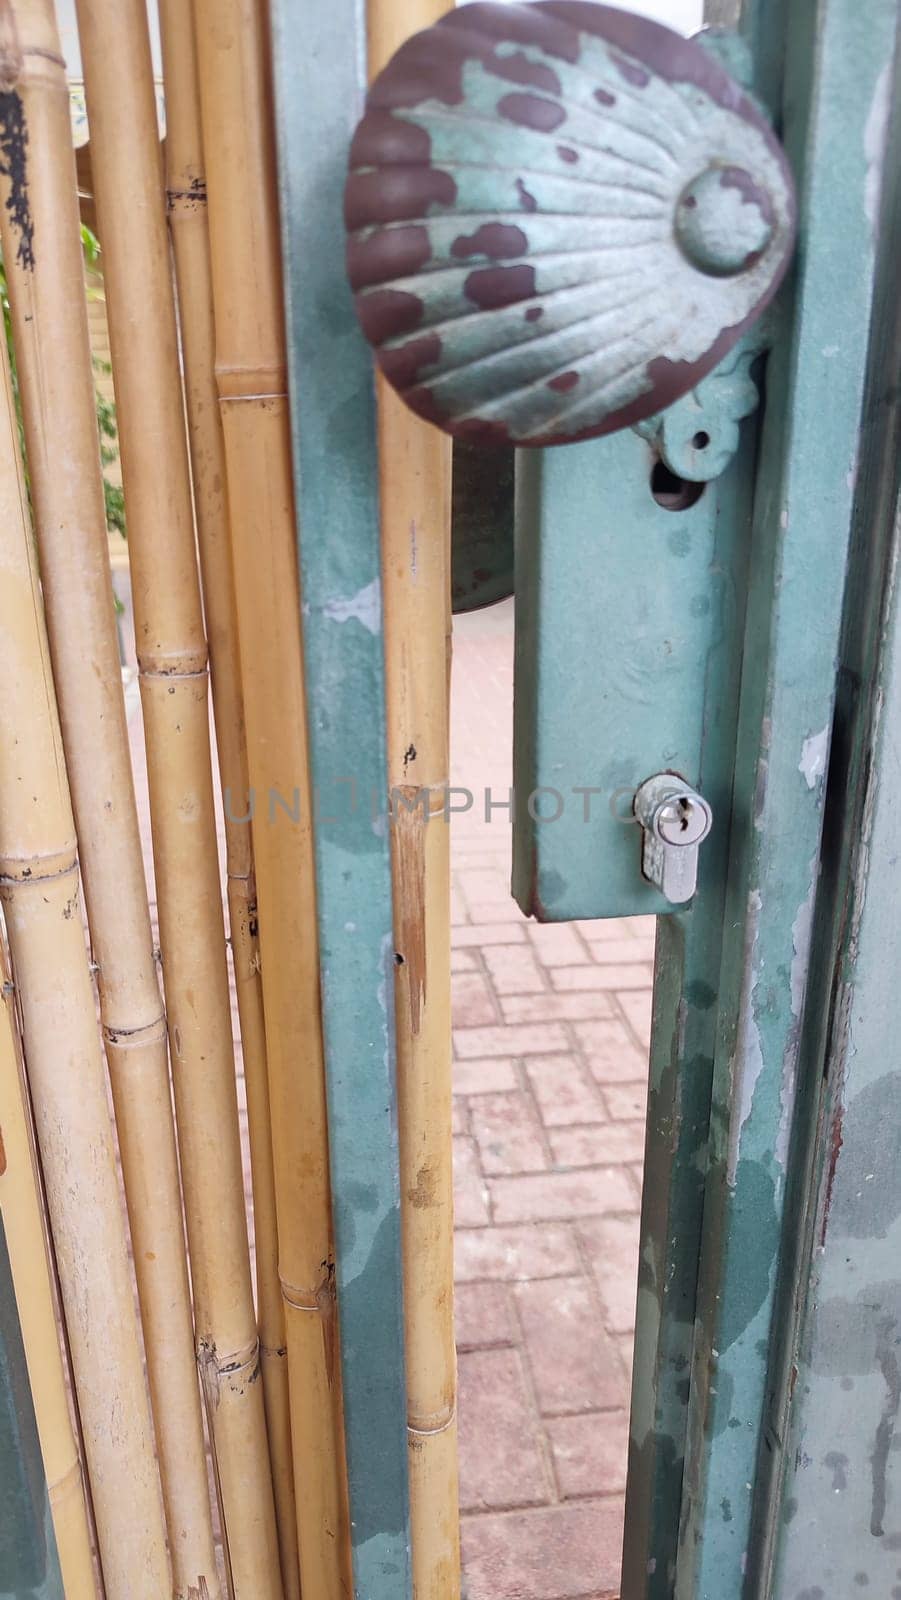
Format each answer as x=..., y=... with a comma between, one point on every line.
x=671, y=492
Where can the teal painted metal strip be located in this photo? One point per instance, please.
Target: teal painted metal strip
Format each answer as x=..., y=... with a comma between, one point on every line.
x=681, y=1067
x=29, y=1564
x=831, y=1496
x=836, y=75
x=319, y=64
x=620, y=607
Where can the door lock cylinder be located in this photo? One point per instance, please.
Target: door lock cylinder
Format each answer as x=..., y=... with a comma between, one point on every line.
x=675, y=820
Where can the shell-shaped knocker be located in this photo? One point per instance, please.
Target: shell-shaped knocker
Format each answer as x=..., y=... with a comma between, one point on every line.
x=561, y=217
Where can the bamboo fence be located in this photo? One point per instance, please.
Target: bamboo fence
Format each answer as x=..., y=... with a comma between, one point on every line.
x=251, y=378
x=56, y=385
x=204, y=431
x=21, y=1207
x=187, y=208
x=415, y=492
x=40, y=897
x=172, y=655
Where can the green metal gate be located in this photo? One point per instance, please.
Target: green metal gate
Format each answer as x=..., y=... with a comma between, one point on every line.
x=707, y=655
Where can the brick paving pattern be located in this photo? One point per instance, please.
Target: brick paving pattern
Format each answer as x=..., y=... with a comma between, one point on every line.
x=551, y=1030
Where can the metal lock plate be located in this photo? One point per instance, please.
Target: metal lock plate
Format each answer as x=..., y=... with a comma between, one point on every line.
x=563, y=219
x=675, y=820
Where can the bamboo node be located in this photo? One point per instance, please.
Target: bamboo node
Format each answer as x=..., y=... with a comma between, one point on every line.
x=188, y=199
x=43, y=55
x=23, y=872
x=239, y=1369
x=11, y=60
x=319, y=1299
x=427, y=1429
x=238, y=383
x=144, y=1033
x=179, y=672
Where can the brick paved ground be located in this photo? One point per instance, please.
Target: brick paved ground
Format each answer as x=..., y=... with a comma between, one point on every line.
x=550, y=1047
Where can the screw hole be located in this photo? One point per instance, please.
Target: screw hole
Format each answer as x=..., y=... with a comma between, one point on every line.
x=701, y=441
x=671, y=492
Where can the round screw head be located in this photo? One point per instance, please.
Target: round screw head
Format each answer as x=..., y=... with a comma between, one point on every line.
x=683, y=819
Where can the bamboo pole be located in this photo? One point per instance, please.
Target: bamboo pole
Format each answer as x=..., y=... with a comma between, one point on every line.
x=250, y=370
x=415, y=483
x=39, y=893
x=188, y=222
x=49, y=310
x=23, y=1225
x=172, y=658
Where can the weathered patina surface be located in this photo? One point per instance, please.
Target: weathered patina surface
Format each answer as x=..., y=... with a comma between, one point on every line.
x=561, y=218
x=319, y=62
x=836, y=58
x=832, y=1509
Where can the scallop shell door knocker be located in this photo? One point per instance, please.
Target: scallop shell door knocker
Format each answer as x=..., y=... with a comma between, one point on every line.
x=560, y=218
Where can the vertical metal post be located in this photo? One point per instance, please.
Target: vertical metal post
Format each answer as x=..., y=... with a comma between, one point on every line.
x=828, y=1516
x=837, y=74
x=29, y=1565
x=319, y=68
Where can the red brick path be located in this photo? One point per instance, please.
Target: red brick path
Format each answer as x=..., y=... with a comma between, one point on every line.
x=550, y=1046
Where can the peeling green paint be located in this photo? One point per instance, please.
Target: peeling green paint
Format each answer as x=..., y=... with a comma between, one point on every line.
x=833, y=59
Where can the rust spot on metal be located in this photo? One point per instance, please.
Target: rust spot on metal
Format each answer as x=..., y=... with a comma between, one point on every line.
x=631, y=71
x=494, y=239
x=531, y=111
x=563, y=383
x=492, y=287
x=667, y=54
x=410, y=822
x=422, y=400
x=431, y=68
x=543, y=25
x=518, y=68
x=403, y=366
x=395, y=194
x=389, y=253
x=383, y=137
x=387, y=313
x=751, y=192
x=835, y=1146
